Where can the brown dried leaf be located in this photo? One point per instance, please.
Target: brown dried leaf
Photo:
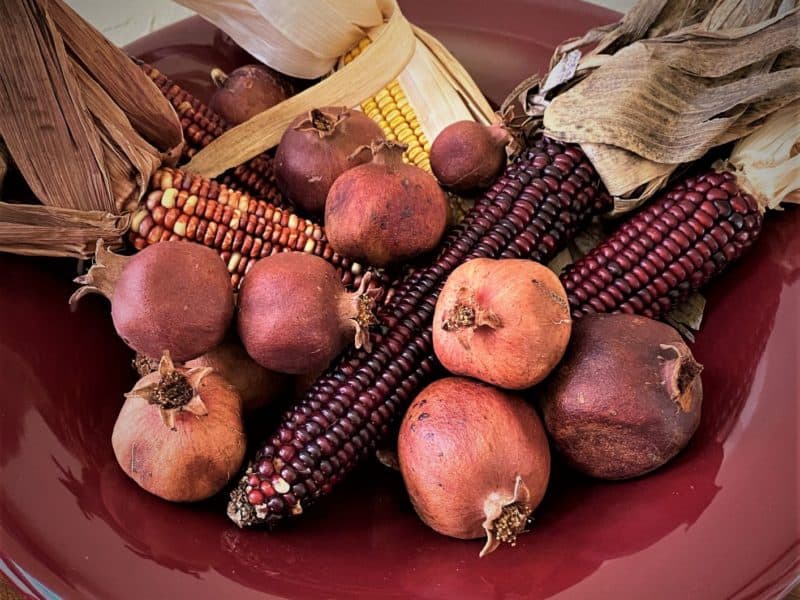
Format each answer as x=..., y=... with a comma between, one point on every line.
x=661, y=102
x=43, y=119
x=129, y=159
x=3, y=164
x=149, y=112
x=38, y=230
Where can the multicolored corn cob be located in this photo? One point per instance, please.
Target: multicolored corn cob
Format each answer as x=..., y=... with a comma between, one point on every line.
x=535, y=207
x=201, y=126
x=182, y=205
x=668, y=250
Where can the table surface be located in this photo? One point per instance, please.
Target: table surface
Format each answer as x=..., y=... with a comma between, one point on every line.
x=123, y=22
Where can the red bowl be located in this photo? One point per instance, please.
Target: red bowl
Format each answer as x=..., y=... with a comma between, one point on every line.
x=720, y=521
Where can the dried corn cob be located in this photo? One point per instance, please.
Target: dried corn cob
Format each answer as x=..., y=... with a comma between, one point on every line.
x=391, y=109
x=532, y=210
x=201, y=126
x=667, y=251
x=186, y=206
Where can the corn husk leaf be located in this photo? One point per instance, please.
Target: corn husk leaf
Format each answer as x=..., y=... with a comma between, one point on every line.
x=380, y=63
x=43, y=118
x=136, y=96
x=442, y=89
x=37, y=230
x=79, y=120
x=767, y=162
x=302, y=38
x=3, y=164
x=667, y=83
x=128, y=159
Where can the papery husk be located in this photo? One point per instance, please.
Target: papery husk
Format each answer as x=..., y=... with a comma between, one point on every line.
x=85, y=127
x=3, y=164
x=43, y=119
x=666, y=84
x=767, y=162
x=36, y=230
x=301, y=38
x=437, y=86
x=134, y=93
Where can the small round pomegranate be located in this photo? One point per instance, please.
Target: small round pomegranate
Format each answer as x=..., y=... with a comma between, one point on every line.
x=467, y=156
x=318, y=147
x=474, y=459
x=179, y=434
x=505, y=322
x=295, y=316
x=174, y=296
x=247, y=91
x=385, y=211
x=625, y=399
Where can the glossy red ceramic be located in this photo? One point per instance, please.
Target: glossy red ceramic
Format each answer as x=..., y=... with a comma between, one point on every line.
x=720, y=521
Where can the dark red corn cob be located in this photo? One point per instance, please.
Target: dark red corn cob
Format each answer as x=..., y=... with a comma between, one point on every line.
x=670, y=249
x=201, y=126
x=538, y=204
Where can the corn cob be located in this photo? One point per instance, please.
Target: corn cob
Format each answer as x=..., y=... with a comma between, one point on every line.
x=532, y=210
x=186, y=206
x=667, y=251
x=201, y=126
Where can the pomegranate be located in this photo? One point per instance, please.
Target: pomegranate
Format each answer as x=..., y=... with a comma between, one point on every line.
x=295, y=315
x=179, y=434
x=173, y=296
x=467, y=156
x=474, y=459
x=626, y=398
x=385, y=211
x=247, y=91
x=505, y=322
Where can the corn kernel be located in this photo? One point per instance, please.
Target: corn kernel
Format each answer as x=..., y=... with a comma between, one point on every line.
x=191, y=202
x=137, y=219
x=179, y=228
x=168, y=197
x=393, y=114
x=309, y=247
x=384, y=101
x=233, y=263
x=413, y=152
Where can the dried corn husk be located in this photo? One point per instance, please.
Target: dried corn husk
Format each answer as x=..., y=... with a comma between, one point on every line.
x=43, y=117
x=442, y=90
x=3, y=164
x=37, y=230
x=767, y=162
x=302, y=38
x=84, y=126
x=667, y=83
